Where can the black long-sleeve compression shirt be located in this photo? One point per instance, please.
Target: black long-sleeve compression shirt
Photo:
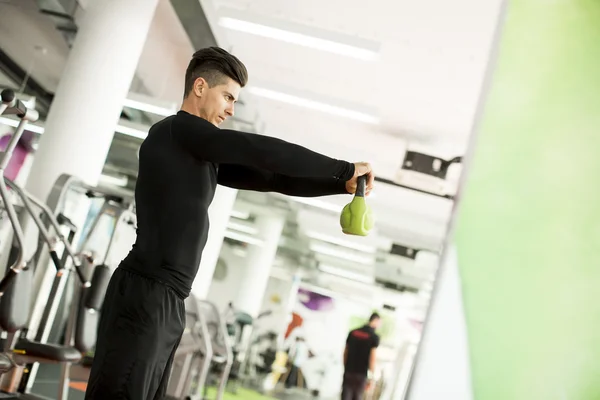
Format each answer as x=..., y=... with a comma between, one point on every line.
x=181, y=162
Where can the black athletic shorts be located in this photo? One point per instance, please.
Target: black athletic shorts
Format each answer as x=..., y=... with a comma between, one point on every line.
x=353, y=386
x=140, y=327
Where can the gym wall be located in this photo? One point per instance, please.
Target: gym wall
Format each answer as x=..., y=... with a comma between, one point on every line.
x=528, y=225
x=442, y=370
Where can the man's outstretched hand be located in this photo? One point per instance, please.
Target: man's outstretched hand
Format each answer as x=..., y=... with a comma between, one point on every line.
x=360, y=169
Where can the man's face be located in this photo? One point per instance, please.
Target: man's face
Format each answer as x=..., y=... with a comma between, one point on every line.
x=217, y=103
x=376, y=323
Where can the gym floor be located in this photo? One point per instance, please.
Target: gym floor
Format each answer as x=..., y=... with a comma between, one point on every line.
x=46, y=385
x=48, y=376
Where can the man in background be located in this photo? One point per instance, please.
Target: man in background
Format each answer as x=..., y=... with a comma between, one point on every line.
x=298, y=355
x=359, y=359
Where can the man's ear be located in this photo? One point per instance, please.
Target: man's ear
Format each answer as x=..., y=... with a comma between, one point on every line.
x=199, y=86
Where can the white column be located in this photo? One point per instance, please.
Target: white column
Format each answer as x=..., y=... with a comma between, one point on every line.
x=259, y=261
x=218, y=214
x=89, y=98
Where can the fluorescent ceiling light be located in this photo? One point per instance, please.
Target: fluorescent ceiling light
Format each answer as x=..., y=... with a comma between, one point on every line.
x=313, y=105
x=344, y=273
x=344, y=255
x=317, y=203
x=243, y=238
x=242, y=228
x=120, y=128
x=125, y=130
x=240, y=214
x=341, y=242
x=133, y=132
x=150, y=108
x=298, y=39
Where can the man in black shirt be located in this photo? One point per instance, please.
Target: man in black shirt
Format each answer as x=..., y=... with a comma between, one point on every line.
x=181, y=162
x=359, y=359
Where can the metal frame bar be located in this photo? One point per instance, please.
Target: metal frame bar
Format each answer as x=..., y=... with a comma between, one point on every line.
x=10, y=105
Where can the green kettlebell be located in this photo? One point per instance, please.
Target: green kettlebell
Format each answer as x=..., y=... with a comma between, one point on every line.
x=357, y=217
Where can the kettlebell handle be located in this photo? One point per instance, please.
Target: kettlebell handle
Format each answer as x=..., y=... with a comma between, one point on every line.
x=361, y=186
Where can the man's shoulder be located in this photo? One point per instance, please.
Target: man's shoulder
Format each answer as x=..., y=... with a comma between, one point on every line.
x=376, y=339
x=359, y=333
x=164, y=125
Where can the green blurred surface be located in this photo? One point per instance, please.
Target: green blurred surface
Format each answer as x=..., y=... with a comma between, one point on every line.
x=528, y=230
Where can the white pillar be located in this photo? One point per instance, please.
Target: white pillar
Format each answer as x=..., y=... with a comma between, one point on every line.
x=89, y=98
x=259, y=261
x=218, y=214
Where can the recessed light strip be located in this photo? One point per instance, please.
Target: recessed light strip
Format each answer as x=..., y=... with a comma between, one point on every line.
x=344, y=255
x=343, y=273
x=125, y=130
x=150, y=108
x=342, y=242
x=298, y=39
x=313, y=105
x=243, y=238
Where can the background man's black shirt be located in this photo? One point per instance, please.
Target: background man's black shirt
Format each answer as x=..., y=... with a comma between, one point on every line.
x=181, y=162
x=359, y=343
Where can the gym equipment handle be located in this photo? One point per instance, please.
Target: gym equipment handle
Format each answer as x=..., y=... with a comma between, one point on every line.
x=7, y=280
x=81, y=276
x=56, y=260
x=361, y=186
x=64, y=221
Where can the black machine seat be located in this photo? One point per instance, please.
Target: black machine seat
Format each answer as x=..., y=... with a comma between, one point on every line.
x=46, y=352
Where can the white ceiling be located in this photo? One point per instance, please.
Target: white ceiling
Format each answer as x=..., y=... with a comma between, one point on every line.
x=423, y=86
x=425, y=82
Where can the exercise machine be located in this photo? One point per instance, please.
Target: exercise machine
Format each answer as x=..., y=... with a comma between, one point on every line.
x=192, y=344
x=204, y=352
x=23, y=354
x=75, y=315
x=15, y=286
x=242, y=331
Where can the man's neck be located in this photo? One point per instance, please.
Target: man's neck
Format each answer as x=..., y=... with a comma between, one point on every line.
x=190, y=109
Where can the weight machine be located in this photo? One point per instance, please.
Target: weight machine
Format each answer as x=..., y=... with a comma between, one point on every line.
x=204, y=349
x=72, y=314
x=15, y=286
x=23, y=354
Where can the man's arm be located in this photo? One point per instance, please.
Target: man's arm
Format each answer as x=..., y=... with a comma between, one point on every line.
x=373, y=355
x=345, y=354
x=346, y=348
x=250, y=178
x=224, y=146
x=372, y=358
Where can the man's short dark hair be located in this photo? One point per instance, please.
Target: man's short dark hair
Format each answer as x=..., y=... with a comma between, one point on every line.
x=214, y=64
x=374, y=316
